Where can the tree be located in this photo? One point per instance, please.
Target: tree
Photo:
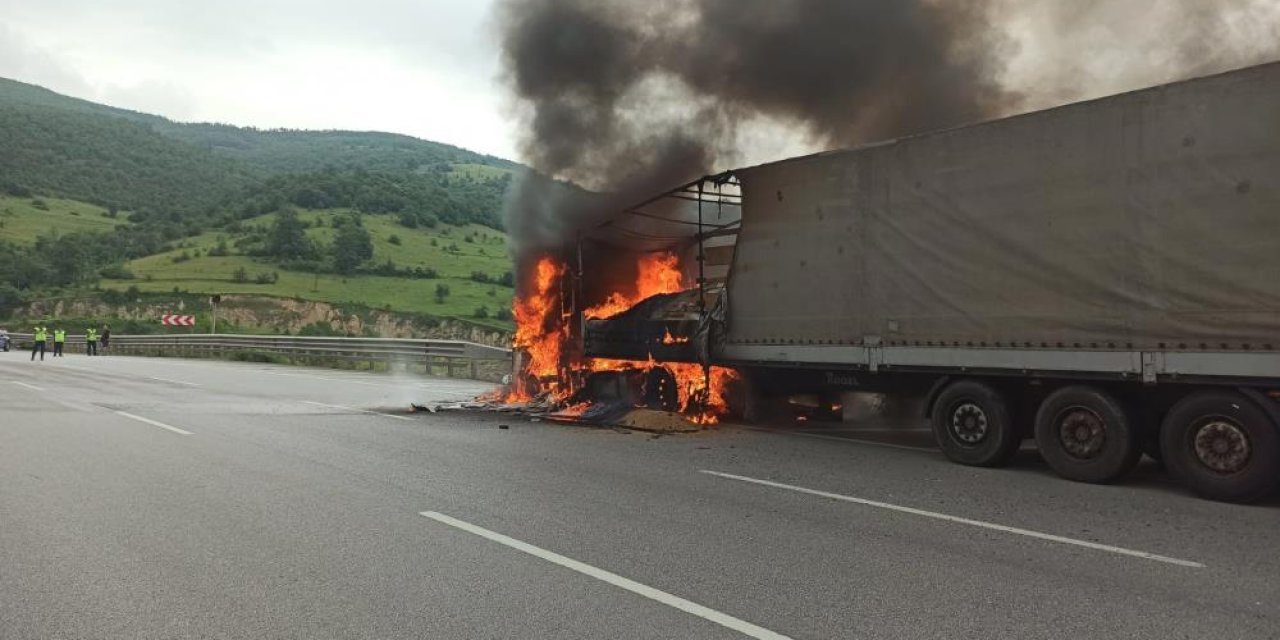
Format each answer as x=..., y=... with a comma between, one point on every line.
x=442, y=292
x=10, y=299
x=352, y=246
x=288, y=239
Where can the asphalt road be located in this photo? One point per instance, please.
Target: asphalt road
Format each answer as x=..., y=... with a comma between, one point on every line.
x=158, y=498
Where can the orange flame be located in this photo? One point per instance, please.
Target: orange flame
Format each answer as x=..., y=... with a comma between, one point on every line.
x=702, y=404
x=537, y=330
x=670, y=339
x=656, y=273
x=541, y=332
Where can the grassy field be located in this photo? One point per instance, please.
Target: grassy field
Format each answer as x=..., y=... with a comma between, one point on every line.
x=428, y=248
x=22, y=220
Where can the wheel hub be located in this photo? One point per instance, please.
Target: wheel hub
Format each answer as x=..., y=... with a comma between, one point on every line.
x=969, y=423
x=1082, y=432
x=1222, y=446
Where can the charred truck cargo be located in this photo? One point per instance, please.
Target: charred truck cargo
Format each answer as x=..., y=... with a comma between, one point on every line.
x=1102, y=277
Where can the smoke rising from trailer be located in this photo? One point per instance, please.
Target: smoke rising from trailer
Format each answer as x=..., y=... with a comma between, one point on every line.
x=629, y=98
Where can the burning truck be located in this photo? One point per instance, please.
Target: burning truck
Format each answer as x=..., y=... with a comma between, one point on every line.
x=622, y=318
x=1101, y=277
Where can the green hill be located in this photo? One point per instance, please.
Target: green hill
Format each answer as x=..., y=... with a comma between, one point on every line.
x=24, y=220
x=193, y=173
x=454, y=257
x=92, y=194
x=292, y=151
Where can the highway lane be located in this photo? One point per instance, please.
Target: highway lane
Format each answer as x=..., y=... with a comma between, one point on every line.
x=288, y=511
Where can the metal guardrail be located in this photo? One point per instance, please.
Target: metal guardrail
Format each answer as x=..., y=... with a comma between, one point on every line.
x=451, y=354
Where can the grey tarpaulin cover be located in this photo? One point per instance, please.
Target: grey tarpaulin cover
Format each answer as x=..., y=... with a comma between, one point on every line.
x=1147, y=218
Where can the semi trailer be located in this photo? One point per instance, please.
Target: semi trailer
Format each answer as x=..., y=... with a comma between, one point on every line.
x=1102, y=277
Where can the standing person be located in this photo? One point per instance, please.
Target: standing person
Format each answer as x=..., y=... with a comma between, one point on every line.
x=91, y=341
x=39, y=336
x=59, y=339
x=106, y=337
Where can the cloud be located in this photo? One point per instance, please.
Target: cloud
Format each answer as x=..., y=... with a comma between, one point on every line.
x=153, y=96
x=425, y=68
x=22, y=60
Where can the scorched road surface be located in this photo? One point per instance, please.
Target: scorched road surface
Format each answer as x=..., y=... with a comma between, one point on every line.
x=158, y=498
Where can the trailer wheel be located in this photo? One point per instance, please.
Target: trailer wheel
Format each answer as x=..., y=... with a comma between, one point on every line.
x=1086, y=435
x=972, y=425
x=660, y=390
x=1222, y=446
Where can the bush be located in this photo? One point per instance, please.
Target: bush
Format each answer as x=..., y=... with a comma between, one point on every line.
x=256, y=356
x=442, y=292
x=240, y=275
x=481, y=277
x=18, y=191
x=220, y=250
x=508, y=279
x=116, y=272
x=318, y=328
x=481, y=313
x=40, y=204
x=504, y=314
x=394, y=239
x=10, y=299
x=266, y=278
x=181, y=257
x=493, y=293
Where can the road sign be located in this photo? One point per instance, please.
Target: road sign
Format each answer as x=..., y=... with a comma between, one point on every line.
x=177, y=321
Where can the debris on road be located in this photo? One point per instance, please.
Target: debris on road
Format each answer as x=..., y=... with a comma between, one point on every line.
x=607, y=414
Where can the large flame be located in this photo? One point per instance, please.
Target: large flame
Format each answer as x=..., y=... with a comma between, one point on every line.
x=540, y=333
x=703, y=404
x=542, y=330
x=656, y=273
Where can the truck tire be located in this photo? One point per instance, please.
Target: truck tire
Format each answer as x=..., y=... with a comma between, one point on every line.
x=973, y=426
x=1086, y=435
x=1222, y=446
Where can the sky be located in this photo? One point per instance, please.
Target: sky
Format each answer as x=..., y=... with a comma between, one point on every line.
x=427, y=68
x=430, y=68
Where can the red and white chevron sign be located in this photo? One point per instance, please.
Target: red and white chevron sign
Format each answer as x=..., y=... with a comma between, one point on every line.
x=177, y=321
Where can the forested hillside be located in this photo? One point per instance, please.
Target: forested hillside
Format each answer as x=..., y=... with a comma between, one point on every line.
x=208, y=173
x=289, y=151
x=90, y=192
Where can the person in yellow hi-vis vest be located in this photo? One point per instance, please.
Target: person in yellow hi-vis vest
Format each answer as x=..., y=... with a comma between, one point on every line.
x=39, y=336
x=91, y=341
x=59, y=339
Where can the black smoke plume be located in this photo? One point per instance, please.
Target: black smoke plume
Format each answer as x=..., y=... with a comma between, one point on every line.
x=628, y=98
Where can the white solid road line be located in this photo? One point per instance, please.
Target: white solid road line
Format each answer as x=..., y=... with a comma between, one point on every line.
x=958, y=520
x=153, y=423
x=376, y=413
x=722, y=619
x=159, y=379
x=29, y=386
